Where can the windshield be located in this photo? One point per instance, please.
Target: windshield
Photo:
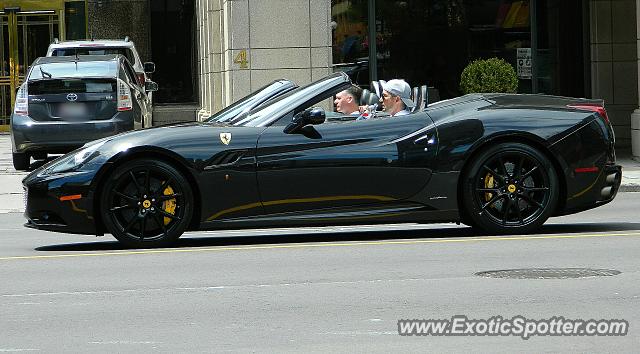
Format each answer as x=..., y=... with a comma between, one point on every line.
x=276, y=108
x=77, y=85
x=74, y=69
x=66, y=52
x=252, y=101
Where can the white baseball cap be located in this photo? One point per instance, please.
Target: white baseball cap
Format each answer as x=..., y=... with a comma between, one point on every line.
x=401, y=89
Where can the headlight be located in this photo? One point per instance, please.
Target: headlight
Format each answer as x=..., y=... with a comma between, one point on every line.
x=74, y=159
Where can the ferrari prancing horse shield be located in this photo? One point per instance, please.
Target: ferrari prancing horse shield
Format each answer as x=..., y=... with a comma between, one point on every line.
x=225, y=138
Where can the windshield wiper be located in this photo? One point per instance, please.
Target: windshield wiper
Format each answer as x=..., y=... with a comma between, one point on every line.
x=44, y=73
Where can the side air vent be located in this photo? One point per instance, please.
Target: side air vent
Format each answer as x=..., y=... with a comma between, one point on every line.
x=224, y=158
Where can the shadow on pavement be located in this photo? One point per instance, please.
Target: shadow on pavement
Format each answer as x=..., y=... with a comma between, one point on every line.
x=359, y=236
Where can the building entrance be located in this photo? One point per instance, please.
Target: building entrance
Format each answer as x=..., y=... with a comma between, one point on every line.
x=25, y=34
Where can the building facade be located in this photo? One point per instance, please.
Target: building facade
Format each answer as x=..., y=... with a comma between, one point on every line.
x=209, y=53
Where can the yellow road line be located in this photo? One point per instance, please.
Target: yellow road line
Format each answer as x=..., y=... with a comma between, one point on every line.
x=312, y=245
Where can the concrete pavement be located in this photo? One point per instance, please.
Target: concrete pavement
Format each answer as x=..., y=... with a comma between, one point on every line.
x=308, y=290
x=11, y=186
x=10, y=179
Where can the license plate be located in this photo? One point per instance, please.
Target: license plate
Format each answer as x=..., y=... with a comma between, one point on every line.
x=73, y=110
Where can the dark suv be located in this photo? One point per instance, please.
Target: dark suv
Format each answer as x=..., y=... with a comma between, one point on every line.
x=68, y=101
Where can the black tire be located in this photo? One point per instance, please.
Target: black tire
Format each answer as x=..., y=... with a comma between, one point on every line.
x=146, y=203
x=510, y=188
x=21, y=161
x=40, y=155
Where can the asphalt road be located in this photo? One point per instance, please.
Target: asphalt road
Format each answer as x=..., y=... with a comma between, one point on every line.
x=316, y=289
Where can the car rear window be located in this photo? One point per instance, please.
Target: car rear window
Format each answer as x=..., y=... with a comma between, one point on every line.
x=74, y=69
x=66, y=52
x=49, y=87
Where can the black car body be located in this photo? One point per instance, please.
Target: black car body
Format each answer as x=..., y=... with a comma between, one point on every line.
x=66, y=102
x=502, y=163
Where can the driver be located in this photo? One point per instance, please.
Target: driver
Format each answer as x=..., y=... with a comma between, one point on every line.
x=347, y=101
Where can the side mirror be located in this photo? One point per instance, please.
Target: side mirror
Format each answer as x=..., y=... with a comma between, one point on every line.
x=149, y=67
x=315, y=115
x=150, y=86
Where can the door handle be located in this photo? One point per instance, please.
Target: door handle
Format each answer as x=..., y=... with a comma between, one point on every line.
x=427, y=139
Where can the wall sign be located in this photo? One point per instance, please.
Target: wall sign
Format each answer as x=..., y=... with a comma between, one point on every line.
x=524, y=63
x=241, y=59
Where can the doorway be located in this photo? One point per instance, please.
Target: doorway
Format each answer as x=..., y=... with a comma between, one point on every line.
x=25, y=36
x=172, y=44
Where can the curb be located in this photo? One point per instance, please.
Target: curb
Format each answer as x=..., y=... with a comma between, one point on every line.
x=629, y=188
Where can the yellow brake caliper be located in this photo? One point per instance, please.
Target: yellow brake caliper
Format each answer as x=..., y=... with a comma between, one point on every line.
x=488, y=183
x=169, y=206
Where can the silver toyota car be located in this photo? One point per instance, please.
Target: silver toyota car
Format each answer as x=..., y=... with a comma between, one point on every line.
x=68, y=101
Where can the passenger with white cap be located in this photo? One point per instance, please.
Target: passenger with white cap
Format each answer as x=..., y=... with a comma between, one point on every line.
x=396, y=98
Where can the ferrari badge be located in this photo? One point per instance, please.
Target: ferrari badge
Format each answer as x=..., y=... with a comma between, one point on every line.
x=225, y=138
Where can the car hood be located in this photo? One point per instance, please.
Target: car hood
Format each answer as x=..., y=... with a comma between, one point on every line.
x=192, y=143
x=177, y=133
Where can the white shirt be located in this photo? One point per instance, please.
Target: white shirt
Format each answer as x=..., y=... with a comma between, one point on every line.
x=403, y=112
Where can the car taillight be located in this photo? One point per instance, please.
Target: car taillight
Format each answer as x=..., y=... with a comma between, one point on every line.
x=593, y=108
x=22, y=101
x=141, y=79
x=124, y=97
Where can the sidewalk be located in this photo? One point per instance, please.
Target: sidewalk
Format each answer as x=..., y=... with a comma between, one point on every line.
x=11, y=180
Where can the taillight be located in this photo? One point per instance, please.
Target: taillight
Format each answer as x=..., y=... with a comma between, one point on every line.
x=124, y=97
x=141, y=79
x=22, y=101
x=593, y=108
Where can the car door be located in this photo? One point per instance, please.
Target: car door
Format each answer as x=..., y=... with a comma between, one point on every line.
x=345, y=164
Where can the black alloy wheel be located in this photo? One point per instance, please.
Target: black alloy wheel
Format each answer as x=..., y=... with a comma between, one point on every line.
x=510, y=188
x=146, y=203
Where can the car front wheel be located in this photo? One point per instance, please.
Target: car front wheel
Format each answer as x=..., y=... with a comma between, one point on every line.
x=146, y=203
x=510, y=188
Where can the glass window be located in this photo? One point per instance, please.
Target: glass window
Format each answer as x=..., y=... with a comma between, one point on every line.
x=75, y=20
x=257, y=98
x=66, y=52
x=174, y=49
x=67, y=70
x=293, y=101
x=77, y=85
x=430, y=42
x=563, y=67
x=350, y=44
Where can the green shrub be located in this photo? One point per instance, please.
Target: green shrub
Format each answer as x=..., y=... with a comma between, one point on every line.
x=490, y=75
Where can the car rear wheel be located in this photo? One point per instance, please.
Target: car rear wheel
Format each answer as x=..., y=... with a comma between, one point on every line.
x=21, y=161
x=510, y=188
x=146, y=203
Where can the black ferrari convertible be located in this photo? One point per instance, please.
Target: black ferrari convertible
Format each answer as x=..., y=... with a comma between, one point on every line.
x=502, y=163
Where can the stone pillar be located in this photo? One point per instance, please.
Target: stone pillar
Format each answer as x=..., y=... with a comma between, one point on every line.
x=614, y=62
x=635, y=116
x=250, y=43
